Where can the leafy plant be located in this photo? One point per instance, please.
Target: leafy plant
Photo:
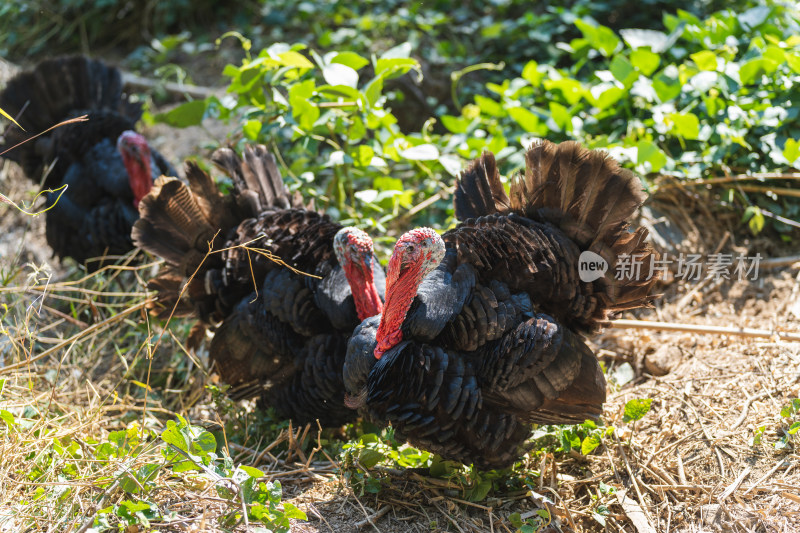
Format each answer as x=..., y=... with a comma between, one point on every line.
x=791, y=413
x=703, y=97
x=540, y=520
x=331, y=122
x=636, y=409
x=585, y=437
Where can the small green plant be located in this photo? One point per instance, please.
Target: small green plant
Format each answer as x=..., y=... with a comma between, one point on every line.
x=635, y=411
x=584, y=438
x=368, y=461
x=791, y=413
x=755, y=440
x=530, y=524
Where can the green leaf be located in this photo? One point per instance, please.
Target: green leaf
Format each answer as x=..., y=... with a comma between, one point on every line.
x=394, y=67
x=350, y=59
x=369, y=458
x=479, y=491
x=792, y=150
x=645, y=60
x=340, y=91
x=338, y=74
x=456, y=124
x=705, y=60
x=252, y=472
x=251, y=129
x=756, y=219
x=561, y=116
x=524, y=118
x=623, y=71
x=422, y=152
x=636, y=409
x=590, y=443
x=374, y=91
x=667, y=84
x=605, y=95
x=174, y=436
x=571, y=90
x=8, y=418
x=606, y=489
x=638, y=38
x=204, y=443
x=290, y=511
x=304, y=112
x=754, y=17
x=686, y=125
x=489, y=106
x=598, y=36
x=531, y=73
x=188, y=114
x=362, y=155
x=793, y=59
x=295, y=59
x=751, y=71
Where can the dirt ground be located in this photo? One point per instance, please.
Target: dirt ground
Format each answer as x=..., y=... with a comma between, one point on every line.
x=689, y=465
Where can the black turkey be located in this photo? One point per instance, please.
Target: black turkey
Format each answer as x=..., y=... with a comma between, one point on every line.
x=481, y=330
x=280, y=333
x=106, y=166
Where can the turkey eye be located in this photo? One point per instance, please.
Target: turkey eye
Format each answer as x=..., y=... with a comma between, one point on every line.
x=410, y=249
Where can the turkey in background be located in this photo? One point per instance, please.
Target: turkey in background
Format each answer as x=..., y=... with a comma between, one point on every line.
x=106, y=165
x=280, y=333
x=481, y=333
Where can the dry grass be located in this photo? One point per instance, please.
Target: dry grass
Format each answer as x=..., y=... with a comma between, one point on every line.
x=82, y=361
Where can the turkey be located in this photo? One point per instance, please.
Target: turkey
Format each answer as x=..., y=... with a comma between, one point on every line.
x=481, y=330
x=106, y=166
x=281, y=333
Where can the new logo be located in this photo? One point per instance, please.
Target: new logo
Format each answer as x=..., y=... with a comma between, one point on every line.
x=591, y=266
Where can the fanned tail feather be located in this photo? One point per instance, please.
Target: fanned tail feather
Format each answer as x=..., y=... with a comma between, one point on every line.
x=591, y=198
x=183, y=223
x=479, y=190
x=257, y=181
x=588, y=196
x=56, y=90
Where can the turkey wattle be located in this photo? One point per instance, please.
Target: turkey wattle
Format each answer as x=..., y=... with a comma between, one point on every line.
x=481, y=330
x=106, y=166
x=280, y=334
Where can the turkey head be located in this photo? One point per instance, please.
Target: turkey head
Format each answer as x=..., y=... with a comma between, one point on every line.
x=136, y=156
x=354, y=252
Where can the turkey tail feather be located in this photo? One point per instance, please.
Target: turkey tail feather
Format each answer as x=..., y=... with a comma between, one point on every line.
x=257, y=181
x=172, y=224
x=591, y=198
x=479, y=190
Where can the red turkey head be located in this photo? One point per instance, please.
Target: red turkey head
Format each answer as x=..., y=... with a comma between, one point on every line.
x=353, y=249
x=136, y=157
x=415, y=254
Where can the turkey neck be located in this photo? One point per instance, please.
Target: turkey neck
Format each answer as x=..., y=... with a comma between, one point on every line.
x=365, y=294
x=402, y=282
